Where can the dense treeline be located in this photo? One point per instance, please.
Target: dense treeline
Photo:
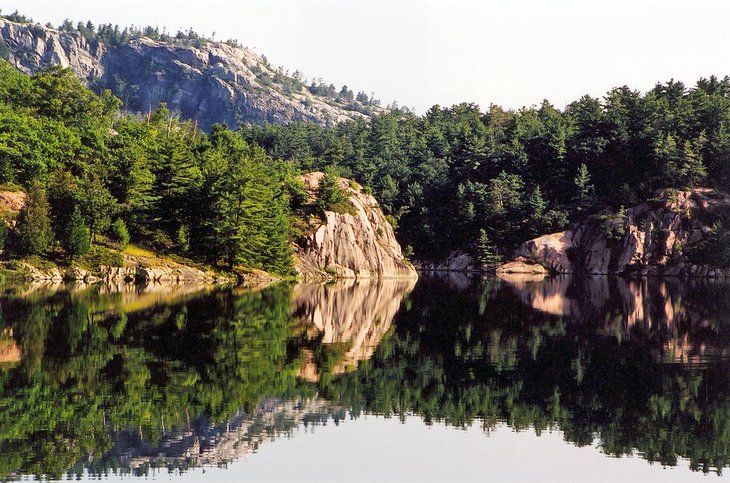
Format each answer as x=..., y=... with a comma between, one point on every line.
x=93, y=173
x=453, y=178
x=457, y=176
x=109, y=34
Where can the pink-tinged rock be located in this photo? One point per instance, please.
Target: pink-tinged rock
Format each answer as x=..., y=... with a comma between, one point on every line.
x=653, y=240
x=521, y=267
x=359, y=246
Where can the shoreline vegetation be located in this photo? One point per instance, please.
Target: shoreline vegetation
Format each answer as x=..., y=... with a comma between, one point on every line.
x=83, y=181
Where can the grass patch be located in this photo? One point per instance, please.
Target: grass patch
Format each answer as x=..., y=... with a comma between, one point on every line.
x=99, y=255
x=138, y=251
x=33, y=260
x=343, y=208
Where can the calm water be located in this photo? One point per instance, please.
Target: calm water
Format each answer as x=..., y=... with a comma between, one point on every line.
x=451, y=379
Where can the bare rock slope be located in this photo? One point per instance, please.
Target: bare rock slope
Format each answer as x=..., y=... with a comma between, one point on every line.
x=214, y=82
x=357, y=246
x=653, y=239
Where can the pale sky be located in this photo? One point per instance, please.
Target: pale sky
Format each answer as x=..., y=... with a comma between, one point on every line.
x=383, y=449
x=509, y=52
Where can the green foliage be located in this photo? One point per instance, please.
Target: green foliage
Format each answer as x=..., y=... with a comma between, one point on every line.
x=715, y=249
x=211, y=197
x=4, y=233
x=99, y=256
x=614, y=224
x=32, y=234
x=120, y=233
x=332, y=197
x=584, y=189
x=486, y=251
x=78, y=241
x=517, y=174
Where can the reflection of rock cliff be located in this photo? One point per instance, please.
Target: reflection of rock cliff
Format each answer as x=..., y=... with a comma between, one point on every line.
x=9, y=350
x=362, y=245
x=648, y=239
x=204, y=443
x=353, y=315
x=653, y=308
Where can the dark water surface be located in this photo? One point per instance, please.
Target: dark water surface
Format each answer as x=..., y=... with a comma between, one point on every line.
x=451, y=379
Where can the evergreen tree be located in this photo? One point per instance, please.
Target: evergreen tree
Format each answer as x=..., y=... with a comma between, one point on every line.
x=693, y=169
x=330, y=196
x=33, y=230
x=120, y=233
x=77, y=238
x=584, y=188
x=486, y=252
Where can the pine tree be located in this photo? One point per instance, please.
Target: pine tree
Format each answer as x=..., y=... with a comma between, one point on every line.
x=584, y=194
x=33, y=230
x=486, y=253
x=120, y=233
x=537, y=204
x=330, y=197
x=693, y=169
x=77, y=239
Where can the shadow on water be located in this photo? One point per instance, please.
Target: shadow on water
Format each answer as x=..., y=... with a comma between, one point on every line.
x=101, y=380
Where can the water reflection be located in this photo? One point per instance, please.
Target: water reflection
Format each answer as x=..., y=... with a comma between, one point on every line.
x=347, y=321
x=99, y=380
x=681, y=314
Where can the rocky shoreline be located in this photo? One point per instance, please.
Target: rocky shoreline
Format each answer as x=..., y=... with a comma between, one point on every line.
x=655, y=238
x=134, y=271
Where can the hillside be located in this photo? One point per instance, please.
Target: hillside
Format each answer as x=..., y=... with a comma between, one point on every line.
x=205, y=81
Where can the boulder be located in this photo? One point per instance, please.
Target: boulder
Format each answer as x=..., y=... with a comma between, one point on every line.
x=522, y=267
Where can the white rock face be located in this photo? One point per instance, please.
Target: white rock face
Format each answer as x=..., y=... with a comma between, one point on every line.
x=215, y=83
x=356, y=246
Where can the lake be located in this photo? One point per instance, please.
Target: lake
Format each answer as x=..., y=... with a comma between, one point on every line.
x=451, y=378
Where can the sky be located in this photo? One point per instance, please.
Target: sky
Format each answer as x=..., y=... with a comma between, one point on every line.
x=374, y=448
x=513, y=53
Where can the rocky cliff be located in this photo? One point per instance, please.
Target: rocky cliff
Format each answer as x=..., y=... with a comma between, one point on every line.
x=654, y=238
x=360, y=245
x=212, y=83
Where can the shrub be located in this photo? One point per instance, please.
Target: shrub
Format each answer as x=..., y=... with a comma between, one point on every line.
x=120, y=233
x=77, y=238
x=331, y=197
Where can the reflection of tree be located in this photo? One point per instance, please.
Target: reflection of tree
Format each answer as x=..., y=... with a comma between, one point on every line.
x=536, y=369
x=88, y=370
x=104, y=389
